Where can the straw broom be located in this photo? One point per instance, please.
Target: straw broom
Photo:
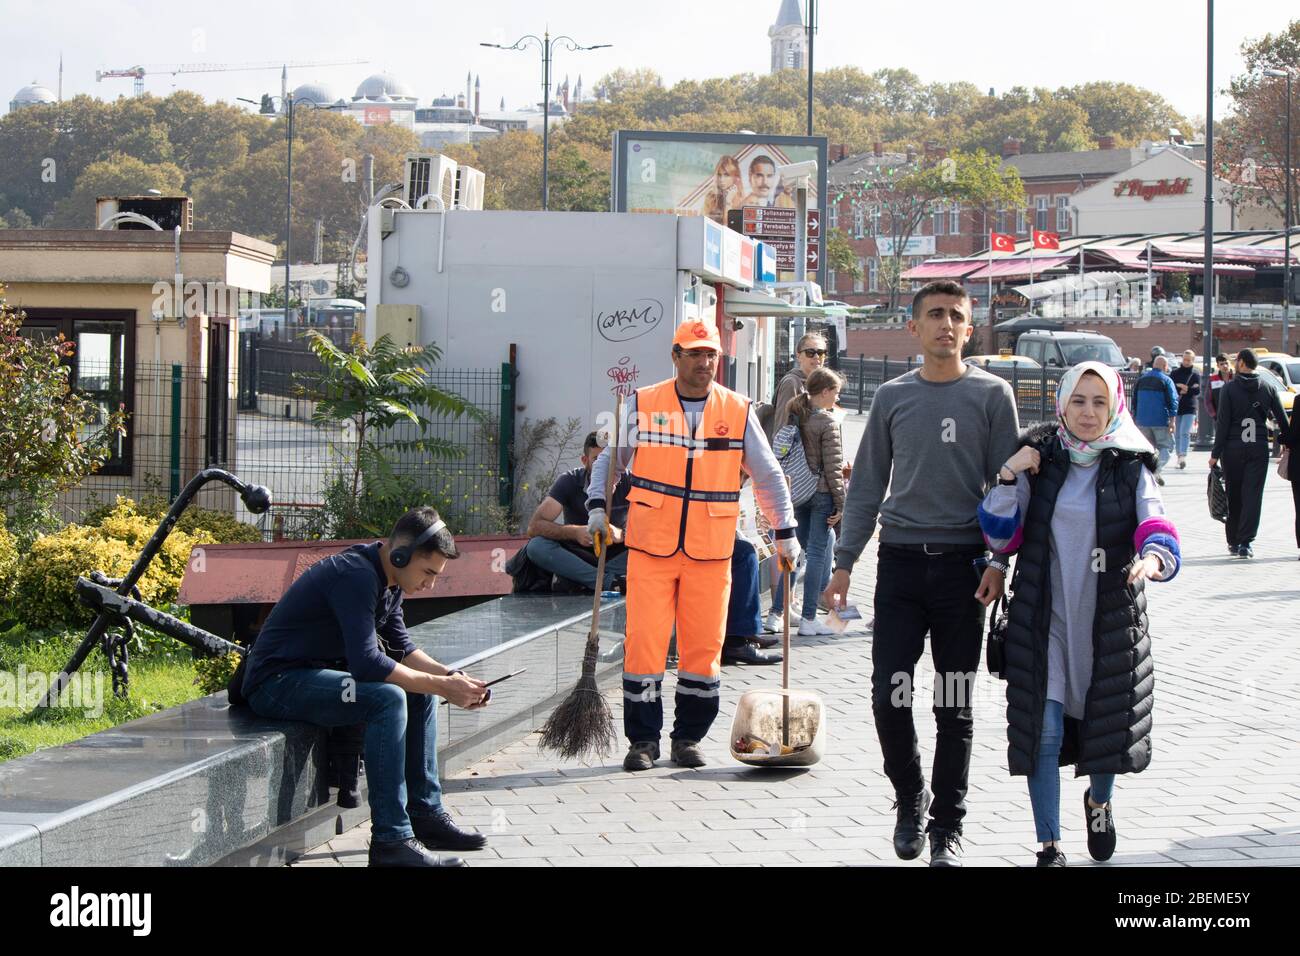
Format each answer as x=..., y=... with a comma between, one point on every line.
x=583, y=725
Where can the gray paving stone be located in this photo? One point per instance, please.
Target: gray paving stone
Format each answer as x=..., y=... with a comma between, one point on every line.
x=1223, y=788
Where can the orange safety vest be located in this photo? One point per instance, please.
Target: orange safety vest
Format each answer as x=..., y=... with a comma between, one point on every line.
x=685, y=492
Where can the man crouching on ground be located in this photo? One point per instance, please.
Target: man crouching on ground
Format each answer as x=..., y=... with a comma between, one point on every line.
x=334, y=651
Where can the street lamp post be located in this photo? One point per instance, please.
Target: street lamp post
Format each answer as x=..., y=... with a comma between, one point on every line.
x=1203, y=441
x=267, y=105
x=1286, y=216
x=547, y=43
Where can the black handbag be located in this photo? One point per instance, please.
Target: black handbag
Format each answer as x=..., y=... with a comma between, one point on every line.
x=1217, y=495
x=995, y=648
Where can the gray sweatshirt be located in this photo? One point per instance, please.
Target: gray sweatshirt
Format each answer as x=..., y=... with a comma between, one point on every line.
x=936, y=447
x=770, y=487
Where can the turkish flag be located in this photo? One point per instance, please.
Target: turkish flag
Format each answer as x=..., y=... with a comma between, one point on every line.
x=1001, y=242
x=1046, y=240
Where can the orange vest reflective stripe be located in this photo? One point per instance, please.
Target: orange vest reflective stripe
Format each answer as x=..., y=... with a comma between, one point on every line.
x=685, y=492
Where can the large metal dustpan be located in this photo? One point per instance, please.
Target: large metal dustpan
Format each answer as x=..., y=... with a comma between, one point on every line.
x=779, y=728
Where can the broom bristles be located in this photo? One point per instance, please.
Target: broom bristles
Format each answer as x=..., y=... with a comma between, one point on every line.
x=582, y=725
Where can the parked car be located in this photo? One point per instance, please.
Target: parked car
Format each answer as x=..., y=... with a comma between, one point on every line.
x=1064, y=349
x=1285, y=367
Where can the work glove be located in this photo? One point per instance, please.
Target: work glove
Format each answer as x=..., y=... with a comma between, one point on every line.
x=598, y=528
x=788, y=550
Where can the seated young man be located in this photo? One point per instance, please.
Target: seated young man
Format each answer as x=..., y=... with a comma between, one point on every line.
x=334, y=651
x=564, y=547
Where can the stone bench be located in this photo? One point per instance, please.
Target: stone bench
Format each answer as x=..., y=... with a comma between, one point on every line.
x=203, y=784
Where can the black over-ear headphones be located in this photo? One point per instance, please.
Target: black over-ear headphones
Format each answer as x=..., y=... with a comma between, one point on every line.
x=401, y=557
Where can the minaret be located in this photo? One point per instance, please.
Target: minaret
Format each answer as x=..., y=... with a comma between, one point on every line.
x=789, y=39
x=476, y=95
x=577, y=92
x=469, y=88
x=60, y=76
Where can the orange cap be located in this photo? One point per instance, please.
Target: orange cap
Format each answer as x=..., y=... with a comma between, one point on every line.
x=697, y=335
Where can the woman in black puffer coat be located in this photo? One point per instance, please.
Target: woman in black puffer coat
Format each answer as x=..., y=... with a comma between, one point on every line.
x=1079, y=505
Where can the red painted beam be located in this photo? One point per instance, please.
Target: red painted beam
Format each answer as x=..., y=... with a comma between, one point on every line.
x=261, y=573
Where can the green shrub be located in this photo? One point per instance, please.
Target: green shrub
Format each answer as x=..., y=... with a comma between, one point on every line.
x=221, y=528
x=214, y=673
x=8, y=565
x=44, y=587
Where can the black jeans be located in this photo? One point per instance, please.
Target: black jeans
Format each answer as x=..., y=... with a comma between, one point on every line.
x=1295, y=489
x=1245, y=469
x=916, y=594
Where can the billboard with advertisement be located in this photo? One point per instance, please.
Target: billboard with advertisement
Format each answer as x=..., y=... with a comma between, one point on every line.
x=710, y=174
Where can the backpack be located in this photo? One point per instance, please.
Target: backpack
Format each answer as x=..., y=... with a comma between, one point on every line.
x=787, y=444
x=765, y=412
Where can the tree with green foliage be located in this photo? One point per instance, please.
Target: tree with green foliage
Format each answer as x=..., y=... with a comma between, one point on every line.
x=1254, y=137
x=51, y=438
x=906, y=195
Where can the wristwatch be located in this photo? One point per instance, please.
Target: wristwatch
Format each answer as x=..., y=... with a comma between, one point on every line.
x=998, y=564
x=1003, y=481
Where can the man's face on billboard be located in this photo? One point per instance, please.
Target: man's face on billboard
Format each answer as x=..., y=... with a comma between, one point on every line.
x=762, y=179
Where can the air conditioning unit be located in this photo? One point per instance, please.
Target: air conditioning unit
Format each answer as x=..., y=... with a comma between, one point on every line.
x=167, y=211
x=469, y=187
x=429, y=173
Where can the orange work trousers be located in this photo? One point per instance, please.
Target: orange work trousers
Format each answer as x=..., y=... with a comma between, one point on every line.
x=661, y=593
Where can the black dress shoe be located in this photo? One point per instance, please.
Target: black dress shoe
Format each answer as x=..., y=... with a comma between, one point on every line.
x=765, y=640
x=909, y=830
x=438, y=832
x=945, y=847
x=749, y=654
x=1101, y=829
x=408, y=853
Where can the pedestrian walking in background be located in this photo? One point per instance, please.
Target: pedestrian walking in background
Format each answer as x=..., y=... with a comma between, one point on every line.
x=1291, y=465
x=822, y=446
x=1187, y=381
x=1155, y=410
x=934, y=438
x=1241, y=443
x=1079, y=505
x=1218, y=378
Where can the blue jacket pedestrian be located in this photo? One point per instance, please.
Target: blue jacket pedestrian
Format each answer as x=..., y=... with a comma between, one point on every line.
x=1155, y=400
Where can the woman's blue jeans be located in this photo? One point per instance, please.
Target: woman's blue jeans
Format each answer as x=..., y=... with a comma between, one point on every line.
x=816, y=538
x=1045, y=781
x=400, y=745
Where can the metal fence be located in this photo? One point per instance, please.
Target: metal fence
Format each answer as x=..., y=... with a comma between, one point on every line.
x=1034, y=388
x=182, y=419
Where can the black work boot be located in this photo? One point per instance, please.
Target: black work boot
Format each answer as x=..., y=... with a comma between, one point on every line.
x=641, y=755
x=687, y=753
x=909, y=831
x=945, y=847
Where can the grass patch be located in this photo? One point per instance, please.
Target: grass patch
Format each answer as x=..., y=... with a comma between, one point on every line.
x=161, y=678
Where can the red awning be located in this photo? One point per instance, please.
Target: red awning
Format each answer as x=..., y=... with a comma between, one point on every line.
x=943, y=269
x=1016, y=266
x=1224, y=252
x=1220, y=268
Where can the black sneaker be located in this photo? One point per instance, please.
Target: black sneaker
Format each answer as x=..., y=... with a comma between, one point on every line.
x=909, y=831
x=439, y=832
x=1101, y=829
x=641, y=755
x=1051, y=856
x=1245, y=551
x=408, y=853
x=945, y=847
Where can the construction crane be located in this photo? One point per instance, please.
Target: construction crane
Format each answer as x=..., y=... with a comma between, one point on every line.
x=137, y=73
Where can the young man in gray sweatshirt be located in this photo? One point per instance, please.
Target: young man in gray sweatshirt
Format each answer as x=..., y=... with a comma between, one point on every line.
x=935, y=439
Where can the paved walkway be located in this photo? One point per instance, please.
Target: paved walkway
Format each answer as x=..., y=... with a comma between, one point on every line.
x=1223, y=788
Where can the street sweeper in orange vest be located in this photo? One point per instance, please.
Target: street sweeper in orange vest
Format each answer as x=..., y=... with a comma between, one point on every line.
x=685, y=441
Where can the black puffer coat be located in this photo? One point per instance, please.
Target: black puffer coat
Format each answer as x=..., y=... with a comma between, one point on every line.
x=1115, y=733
